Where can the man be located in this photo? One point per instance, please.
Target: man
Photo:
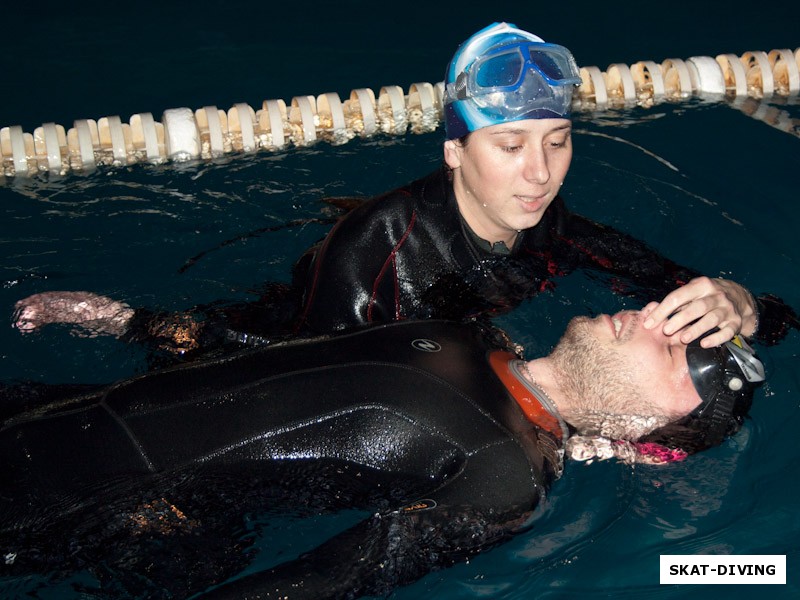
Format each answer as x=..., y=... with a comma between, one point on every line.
x=445, y=435
x=473, y=239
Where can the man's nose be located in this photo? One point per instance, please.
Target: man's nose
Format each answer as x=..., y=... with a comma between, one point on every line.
x=673, y=340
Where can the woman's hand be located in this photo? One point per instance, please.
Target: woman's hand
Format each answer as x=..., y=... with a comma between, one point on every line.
x=711, y=303
x=96, y=314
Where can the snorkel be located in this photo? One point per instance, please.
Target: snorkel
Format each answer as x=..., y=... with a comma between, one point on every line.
x=503, y=74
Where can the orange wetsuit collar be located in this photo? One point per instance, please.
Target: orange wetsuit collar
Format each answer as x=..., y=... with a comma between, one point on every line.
x=530, y=404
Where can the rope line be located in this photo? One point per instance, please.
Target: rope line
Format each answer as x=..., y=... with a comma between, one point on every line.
x=208, y=132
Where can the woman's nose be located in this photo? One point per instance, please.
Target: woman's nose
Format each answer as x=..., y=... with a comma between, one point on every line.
x=536, y=168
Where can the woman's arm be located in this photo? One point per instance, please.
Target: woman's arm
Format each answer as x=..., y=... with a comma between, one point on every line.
x=690, y=302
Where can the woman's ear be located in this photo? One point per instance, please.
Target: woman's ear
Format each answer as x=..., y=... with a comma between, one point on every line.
x=452, y=153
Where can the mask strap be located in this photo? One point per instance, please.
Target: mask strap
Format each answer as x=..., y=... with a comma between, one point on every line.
x=721, y=413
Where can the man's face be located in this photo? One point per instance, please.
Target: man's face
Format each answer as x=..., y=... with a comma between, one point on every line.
x=625, y=380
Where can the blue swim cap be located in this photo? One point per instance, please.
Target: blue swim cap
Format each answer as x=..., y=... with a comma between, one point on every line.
x=503, y=74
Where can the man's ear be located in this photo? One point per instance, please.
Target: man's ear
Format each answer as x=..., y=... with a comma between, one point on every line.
x=452, y=153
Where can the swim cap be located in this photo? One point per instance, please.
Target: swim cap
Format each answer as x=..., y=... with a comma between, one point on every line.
x=725, y=378
x=503, y=74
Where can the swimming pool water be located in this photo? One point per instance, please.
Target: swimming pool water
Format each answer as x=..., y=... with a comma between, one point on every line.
x=703, y=182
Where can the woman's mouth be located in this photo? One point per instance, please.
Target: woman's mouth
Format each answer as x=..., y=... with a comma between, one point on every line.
x=532, y=203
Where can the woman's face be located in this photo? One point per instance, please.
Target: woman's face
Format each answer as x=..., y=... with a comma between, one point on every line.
x=506, y=175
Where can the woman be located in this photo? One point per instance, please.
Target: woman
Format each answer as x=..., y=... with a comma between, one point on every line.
x=489, y=229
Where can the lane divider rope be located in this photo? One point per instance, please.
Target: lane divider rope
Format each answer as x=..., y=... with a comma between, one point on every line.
x=208, y=132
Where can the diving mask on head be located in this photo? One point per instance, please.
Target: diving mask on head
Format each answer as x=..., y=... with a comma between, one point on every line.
x=503, y=74
x=725, y=377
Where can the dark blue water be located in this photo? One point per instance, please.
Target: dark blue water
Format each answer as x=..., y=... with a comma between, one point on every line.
x=706, y=184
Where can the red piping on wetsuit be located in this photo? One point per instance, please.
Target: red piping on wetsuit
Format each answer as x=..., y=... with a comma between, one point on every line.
x=317, y=266
x=607, y=263
x=530, y=404
x=603, y=262
x=390, y=260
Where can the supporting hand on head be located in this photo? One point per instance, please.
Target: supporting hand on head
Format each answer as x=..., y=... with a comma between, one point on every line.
x=703, y=304
x=97, y=314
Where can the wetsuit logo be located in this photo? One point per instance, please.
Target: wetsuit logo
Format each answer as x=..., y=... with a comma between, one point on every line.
x=425, y=345
x=425, y=504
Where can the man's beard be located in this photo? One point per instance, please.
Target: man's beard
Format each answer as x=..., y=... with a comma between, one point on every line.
x=596, y=379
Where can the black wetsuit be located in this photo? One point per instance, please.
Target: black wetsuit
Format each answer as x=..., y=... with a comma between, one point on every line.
x=409, y=419
x=408, y=254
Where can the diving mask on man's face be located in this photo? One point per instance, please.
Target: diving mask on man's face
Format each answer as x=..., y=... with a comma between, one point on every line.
x=725, y=377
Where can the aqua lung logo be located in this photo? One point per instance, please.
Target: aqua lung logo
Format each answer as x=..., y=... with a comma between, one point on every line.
x=425, y=345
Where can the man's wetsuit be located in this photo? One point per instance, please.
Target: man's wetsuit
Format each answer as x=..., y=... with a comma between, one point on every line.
x=408, y=254
x=412, y=419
